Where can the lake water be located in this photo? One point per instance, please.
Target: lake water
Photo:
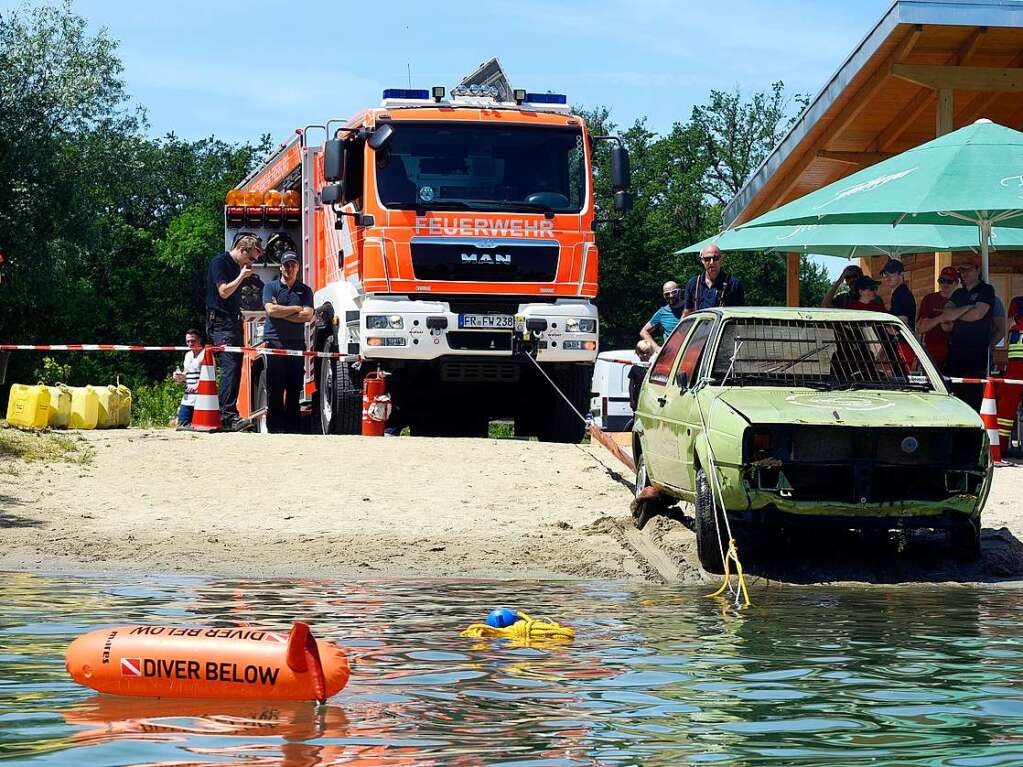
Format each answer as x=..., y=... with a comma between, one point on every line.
x=657, y=675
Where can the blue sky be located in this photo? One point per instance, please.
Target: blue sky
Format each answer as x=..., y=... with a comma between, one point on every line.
x=240, y=69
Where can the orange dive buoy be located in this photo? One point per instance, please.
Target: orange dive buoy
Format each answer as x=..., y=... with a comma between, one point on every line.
x=225, y=663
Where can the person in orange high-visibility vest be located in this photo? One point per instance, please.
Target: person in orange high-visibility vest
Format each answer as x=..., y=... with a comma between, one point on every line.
x=1009, y=394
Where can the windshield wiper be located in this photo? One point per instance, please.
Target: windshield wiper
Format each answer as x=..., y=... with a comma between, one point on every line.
x=770, y=380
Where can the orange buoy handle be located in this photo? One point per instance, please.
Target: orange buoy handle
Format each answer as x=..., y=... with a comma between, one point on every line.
x=225, y=663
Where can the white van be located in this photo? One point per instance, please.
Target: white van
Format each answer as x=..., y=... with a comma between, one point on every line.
x=609, y=394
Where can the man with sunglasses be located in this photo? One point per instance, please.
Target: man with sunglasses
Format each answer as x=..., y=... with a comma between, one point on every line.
x=935, y=333
x=224, y=279
x=715, y=287
x=667, y=317
x=189, y=376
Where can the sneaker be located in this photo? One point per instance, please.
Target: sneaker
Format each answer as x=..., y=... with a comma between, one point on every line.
x=239, y=424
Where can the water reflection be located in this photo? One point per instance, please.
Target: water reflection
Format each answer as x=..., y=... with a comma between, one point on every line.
x=656, y=675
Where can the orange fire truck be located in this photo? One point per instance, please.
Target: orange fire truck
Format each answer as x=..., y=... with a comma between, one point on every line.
x=445, y=239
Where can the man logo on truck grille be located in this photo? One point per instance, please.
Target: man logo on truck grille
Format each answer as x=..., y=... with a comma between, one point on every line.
x=487, y=258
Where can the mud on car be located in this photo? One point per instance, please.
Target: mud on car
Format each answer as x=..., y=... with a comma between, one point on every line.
x=785, y=418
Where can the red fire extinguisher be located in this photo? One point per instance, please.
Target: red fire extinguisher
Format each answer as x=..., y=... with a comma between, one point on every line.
x=376, y=404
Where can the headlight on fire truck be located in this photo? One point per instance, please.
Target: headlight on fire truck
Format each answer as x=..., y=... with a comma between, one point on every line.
x=378, y=341
x=579, y=346
x=384, y=321
x=576, y=325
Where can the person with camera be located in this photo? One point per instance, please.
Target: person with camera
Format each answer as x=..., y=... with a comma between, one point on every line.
x=224, y=279
x=289, y=306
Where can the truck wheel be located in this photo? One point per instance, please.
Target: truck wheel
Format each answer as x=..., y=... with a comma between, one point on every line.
x=964, y=538
x=262, y=423
x=647, y=502
x=564, y=424
x=707, y=536
x=340, y=394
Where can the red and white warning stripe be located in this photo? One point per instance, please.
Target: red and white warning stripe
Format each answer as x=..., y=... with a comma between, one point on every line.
x=138, y=348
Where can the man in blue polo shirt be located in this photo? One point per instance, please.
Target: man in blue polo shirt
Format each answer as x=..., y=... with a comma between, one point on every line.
x=715, y=287
x=666, y=318
x=289, y=306
x=224, y=279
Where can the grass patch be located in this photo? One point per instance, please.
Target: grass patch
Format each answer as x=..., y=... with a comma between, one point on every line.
x=43, y=446
x=153, y=405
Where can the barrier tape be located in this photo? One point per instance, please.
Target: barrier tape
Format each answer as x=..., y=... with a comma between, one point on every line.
x=138, y=348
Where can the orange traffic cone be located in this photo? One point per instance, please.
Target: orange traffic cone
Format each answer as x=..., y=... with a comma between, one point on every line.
x=206, y=415
x=989, y=415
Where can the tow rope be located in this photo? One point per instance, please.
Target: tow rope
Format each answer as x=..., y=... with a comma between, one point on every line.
x=525, y=630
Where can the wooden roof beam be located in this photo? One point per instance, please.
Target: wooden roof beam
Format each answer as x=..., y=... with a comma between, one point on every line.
x=854, y=158
x=919, y=102
x=982, y=102
x=850, y=111
x=991, y=79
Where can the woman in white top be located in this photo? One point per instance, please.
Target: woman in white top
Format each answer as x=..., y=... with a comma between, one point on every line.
x=189, y=377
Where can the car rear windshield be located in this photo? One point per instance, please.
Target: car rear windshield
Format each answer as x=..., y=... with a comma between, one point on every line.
x=826, y=354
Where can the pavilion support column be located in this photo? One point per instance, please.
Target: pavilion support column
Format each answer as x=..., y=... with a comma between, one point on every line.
x=792, y=279
x=941, y=260
x=946, y=109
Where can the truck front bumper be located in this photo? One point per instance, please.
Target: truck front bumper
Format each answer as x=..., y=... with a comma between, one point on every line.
x=429, y=330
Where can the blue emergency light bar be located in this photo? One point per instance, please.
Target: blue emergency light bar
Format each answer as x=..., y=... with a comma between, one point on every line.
x=546, y=98
x=406, y=93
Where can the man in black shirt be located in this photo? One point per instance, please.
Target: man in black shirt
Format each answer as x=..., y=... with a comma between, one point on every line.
x=903, y=304
x=224, y=279
x=969, y=309
x=289, y=306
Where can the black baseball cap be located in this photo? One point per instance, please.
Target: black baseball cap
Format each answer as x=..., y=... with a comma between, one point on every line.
x=863, y=282
x=288, y=257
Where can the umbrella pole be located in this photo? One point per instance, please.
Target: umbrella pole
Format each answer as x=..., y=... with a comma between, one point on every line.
x=985, y=236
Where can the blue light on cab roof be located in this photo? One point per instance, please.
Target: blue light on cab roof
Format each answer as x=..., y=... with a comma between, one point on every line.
x=406, y=93
x=546, y=98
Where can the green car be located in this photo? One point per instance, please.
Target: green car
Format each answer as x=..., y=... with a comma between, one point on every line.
x=785, y=418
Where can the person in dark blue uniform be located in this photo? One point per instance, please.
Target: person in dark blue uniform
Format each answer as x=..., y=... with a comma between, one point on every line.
x=715, y=287
x=289, y=306
x=224, y=279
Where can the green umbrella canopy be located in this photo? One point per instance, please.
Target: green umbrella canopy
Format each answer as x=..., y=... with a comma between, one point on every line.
x=856, y=240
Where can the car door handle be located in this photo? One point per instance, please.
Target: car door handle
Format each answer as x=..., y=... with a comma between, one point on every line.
x=662, y=401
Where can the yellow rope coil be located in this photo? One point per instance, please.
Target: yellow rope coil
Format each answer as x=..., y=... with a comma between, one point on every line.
x=730, y=556
x=525, y=629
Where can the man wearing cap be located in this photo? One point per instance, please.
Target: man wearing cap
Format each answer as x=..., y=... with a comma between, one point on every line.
x=289, y=306
x=834, y=299
x=715, y=287
x=928, y=323
x=969, y=309
x=902, y=303
x=864, y=291
x=224, y=279
x=666, y=318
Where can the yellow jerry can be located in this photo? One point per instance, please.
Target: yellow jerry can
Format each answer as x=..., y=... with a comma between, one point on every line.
x=60, y=406
x=109, y=404
x=124, y=411
x=84, y=407
x=28, y=406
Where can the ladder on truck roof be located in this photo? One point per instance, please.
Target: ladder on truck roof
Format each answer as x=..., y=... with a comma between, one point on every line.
x=287, y=160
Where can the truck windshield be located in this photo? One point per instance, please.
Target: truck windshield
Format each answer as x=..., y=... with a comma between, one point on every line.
x=825, y=354
x=445, y=166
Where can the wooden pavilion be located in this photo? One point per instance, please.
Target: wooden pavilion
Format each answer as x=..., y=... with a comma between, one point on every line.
x=926, y=68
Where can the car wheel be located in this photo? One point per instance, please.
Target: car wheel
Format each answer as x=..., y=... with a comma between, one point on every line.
x=647, y=502
x=709, y=542
x=964, y=538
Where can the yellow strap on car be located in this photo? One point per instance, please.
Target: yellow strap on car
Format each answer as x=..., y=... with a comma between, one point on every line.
x=733, y=555
x=525, y=629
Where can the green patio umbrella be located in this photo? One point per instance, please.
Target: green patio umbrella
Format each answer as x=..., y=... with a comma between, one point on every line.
x=855, y=240
x=970, y=177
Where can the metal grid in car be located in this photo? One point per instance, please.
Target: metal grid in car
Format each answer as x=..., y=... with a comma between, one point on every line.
x=826, y=353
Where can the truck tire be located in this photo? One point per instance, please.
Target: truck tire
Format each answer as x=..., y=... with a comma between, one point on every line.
x=261, y=425
x=340, y=394
x=707, y=536
x=564, y=424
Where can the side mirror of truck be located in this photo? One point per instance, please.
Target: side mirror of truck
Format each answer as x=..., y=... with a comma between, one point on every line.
x=622, y=201
x=333, y=160
x=620, y=173
x=332, y=195
x=379, y=137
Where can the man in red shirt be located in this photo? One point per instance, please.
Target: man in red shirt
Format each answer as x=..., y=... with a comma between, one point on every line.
x=935, y=334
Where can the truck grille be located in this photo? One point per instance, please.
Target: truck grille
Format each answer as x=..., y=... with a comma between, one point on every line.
x=479, y=372
x=484, y=260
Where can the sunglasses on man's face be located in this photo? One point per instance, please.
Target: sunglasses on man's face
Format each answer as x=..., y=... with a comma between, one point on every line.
x=710, y=259
x=946, y=282
x=671, y=294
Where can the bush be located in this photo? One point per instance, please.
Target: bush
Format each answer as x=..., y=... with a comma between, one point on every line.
x=153, y=405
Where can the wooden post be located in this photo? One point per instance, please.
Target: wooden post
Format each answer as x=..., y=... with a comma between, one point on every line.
x=792, y=279
x=946, y=108
x=941, y=260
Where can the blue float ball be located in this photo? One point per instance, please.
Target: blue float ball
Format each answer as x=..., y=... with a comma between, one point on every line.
x=501, y=617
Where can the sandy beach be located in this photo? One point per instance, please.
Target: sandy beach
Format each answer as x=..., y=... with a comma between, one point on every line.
x=159, y=501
